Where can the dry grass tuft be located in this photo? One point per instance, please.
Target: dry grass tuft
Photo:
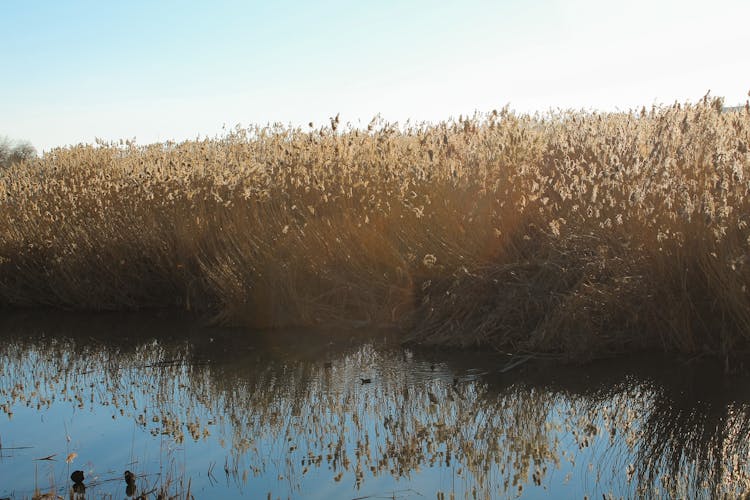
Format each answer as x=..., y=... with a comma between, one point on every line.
x=572, y=232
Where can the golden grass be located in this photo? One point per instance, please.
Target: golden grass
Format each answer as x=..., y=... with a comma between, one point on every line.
x=571, y=232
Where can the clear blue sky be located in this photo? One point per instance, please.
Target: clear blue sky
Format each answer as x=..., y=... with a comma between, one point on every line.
x=155, y=70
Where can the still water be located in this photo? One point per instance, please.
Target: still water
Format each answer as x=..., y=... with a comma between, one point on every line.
x=223, y=413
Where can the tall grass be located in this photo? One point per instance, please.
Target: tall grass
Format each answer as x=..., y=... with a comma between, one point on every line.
x=572, y=232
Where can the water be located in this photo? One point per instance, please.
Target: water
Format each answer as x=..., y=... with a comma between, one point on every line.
x=222, y=413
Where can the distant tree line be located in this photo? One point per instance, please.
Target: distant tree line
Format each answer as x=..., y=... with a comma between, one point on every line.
x=14, y=151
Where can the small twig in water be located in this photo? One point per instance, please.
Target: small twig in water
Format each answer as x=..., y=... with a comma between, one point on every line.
x=211, y=477
x=514, y=363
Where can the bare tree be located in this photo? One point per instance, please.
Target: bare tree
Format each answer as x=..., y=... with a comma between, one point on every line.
x=15, y=151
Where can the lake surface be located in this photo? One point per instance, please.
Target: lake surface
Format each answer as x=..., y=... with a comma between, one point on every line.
x=224, y=413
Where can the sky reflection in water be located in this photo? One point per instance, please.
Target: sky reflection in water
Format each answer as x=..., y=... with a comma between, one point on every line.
x=226, y=413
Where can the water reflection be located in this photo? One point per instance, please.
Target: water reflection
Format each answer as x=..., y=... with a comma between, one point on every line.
x=209, y=413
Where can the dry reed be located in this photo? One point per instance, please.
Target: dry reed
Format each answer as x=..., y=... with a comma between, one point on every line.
x=571, y=232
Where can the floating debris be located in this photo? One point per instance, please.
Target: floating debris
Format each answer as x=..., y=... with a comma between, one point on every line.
x=129, y=477
x=77, y=476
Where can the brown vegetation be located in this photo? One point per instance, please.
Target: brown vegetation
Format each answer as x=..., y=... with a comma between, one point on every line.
x=580, y=233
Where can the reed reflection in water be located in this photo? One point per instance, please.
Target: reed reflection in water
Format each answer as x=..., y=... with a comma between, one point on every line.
x=226, y=413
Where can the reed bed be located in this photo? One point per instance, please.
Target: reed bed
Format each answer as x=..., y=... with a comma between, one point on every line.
x=579, y=233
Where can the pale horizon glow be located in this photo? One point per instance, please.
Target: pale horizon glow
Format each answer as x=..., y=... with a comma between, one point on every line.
x=76, y=71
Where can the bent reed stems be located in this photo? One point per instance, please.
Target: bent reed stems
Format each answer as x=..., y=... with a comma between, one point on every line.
x=579, y=233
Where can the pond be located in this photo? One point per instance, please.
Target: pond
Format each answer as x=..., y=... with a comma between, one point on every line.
x=228, y=413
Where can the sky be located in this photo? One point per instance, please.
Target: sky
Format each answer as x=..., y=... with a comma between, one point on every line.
x=74, y=71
